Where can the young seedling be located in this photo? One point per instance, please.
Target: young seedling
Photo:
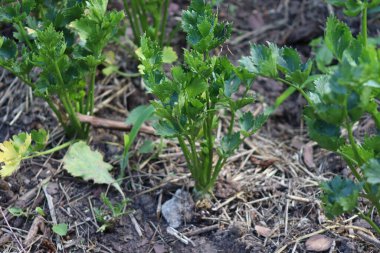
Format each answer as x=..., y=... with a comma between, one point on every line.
x=107, y=218
x=193, y=96
x=347, y=92
x=56, y=48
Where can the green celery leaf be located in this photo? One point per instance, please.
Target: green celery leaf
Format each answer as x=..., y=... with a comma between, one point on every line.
x=327, y=135
x=201, y=25
x=339, y=196
x=371, y=171
x=230, y=143
x=338, y=37
x=8, y=49
x=349, y=154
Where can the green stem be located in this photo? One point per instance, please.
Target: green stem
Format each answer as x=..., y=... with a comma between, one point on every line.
x=52, y=150
x=300, y=90
x=136, y=19
x=353, y=143
x=370, y=222
x=120, y=73
x=67, y=104
x=186, y=153
x=131, y=20
x=91, y=93
x=364, y=25
x=24, y=35
x=164, y=22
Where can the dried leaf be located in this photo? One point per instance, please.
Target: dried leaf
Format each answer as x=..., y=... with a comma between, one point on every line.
x=318, y=243
x=81, y=161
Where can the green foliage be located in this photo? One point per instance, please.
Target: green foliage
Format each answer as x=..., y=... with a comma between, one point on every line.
x=81, y=161
x=273, y=62
x=60, y=229
x=347, y=91
x=136, y=118
x=340, y=196
x=354, y=7
x=107, y=218
x=56, y=49
x=191, y=98
x=17, y=212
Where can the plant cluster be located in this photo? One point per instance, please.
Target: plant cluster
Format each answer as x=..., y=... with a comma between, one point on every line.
x=192, y=97
x=57, y=46
x=337, y=100
x=55, y=49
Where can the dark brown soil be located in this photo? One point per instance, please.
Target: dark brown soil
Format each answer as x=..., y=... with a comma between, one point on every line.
x=272, y=182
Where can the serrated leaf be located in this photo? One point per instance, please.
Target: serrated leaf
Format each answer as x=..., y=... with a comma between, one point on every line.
x=327, y=135
x=338, y=37
x=262, y=61
x=169, y=55
x=246, y=121
x=8, y=49
x=12, y=152
x=349, y=154
x=371, y=171
x=230, y=143
x=339, y=196
x=81, y=161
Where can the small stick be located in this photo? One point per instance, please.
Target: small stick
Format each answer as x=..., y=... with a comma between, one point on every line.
x=369, y=239
x=112, y=124
x=202, y=230
x=229, y=200
x=181, y=237
x=159, y=206
x=136, y=225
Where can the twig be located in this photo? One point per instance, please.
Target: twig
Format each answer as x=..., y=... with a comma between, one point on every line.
x=202, y=230
x=369, y=239
x=136, y=225
x=112, y=124
x=181, y=237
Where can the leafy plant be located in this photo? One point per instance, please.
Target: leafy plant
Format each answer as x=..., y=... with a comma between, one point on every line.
x=148, y=17
x=192, y=97
x=108, y=217
x=56, y=48
x=21, y=147
x=136, y=118
x=338, y=100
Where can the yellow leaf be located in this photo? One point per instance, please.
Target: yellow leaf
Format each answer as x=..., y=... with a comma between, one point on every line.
x=11, y=154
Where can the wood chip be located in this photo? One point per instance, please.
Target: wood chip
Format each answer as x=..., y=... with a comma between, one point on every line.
x=308, y=154
x=318, y=243
x=263, y=231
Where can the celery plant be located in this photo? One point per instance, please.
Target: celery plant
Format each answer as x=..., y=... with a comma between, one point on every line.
x=56, y=49
x=338, y=100
x=192, y=96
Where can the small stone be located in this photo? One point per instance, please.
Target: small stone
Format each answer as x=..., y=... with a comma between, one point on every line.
x=318, y=243
x=178, y=209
